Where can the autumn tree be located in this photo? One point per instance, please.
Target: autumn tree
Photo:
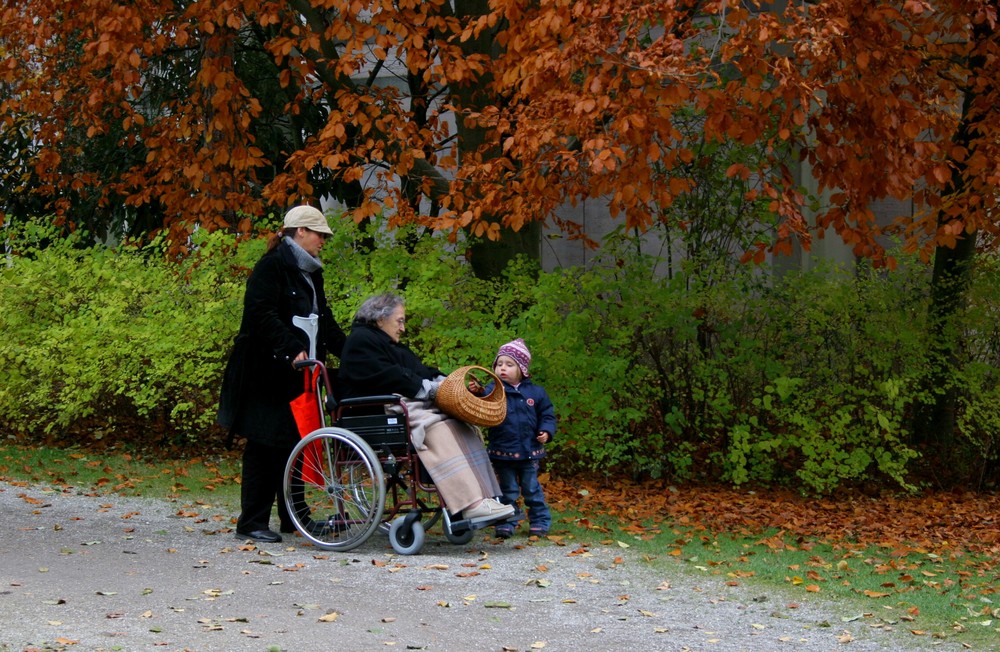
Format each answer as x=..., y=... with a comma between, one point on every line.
x=213, y=112
x=574, y=100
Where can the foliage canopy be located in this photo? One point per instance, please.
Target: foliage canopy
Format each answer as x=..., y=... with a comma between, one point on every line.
x=184, y=112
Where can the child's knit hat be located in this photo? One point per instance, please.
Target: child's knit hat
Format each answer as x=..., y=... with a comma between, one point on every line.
x=518, y=351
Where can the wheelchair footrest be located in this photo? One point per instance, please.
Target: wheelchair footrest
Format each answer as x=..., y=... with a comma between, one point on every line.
x=459, y=525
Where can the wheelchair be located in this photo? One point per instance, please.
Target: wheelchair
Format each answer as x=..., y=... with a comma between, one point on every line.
x=359, y=473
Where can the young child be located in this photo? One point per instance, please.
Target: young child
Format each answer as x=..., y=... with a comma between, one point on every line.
x=516, y=445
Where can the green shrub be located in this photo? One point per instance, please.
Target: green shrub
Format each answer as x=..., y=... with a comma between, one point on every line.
x=809, y=380
x=104, y=337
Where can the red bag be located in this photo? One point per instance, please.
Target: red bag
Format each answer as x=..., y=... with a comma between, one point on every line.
x=309, y=417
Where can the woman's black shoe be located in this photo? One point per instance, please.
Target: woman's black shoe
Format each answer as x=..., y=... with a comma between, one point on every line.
x=266, y=536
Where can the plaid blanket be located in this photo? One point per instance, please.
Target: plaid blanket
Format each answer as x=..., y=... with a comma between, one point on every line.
x=453, y=453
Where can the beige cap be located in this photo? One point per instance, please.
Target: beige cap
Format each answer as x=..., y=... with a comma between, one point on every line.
x=307, y=217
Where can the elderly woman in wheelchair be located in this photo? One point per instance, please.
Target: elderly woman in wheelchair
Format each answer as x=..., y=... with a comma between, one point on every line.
x=391, y=454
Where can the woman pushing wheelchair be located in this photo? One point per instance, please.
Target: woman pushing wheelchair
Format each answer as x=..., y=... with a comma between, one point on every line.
x=374, y=361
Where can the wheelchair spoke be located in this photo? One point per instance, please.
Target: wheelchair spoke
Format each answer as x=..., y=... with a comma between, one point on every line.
x=334, y=489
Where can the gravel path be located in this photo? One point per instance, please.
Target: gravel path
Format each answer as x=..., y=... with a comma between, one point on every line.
x=110, y=573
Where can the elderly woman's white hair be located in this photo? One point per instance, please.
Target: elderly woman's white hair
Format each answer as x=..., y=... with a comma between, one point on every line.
x=378, y=307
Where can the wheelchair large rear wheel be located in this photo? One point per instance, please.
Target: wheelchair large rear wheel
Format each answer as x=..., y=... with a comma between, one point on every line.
x=334, y=489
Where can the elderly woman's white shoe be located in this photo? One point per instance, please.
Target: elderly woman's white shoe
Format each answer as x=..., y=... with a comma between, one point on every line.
x=490, y=509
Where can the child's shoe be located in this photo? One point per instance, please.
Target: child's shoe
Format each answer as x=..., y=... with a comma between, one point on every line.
x=504, y=531
x=538, y=532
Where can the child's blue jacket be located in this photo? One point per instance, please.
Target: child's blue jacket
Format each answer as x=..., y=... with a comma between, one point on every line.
x=529, y=411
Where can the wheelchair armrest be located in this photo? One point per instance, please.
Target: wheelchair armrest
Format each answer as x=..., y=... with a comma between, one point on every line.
x=371, y=400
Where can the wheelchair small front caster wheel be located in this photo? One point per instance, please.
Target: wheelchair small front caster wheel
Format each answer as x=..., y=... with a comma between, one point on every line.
x=458, y=538
x=406, y=538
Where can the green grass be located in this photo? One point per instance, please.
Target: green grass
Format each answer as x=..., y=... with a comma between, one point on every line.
x=210, y=479
x=909, y=590
x=916, y=592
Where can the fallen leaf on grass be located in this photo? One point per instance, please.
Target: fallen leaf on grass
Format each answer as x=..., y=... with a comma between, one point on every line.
x=876, y=594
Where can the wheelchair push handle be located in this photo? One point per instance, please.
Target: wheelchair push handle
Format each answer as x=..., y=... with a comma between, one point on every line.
x=307, y=363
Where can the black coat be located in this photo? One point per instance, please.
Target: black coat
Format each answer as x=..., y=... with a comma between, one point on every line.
x=259, y=380
x=373, y=364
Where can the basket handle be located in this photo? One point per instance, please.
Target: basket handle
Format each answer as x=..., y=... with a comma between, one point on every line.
x=497, y=383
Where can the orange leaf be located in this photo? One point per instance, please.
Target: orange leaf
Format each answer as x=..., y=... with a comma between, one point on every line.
x=876, y=594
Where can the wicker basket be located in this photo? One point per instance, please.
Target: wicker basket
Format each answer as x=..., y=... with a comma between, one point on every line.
x=454, y=398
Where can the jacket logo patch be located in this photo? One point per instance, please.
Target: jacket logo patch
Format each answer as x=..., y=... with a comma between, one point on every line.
x=531, y=402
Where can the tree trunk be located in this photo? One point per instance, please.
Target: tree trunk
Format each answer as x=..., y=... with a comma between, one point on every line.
x=488, y=258
x=935, y=424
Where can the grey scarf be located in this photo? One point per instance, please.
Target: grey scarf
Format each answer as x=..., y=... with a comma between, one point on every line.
x=307, y=265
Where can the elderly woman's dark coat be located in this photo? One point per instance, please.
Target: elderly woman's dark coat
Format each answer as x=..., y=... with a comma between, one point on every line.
x=259, y=380
x=372, y=363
